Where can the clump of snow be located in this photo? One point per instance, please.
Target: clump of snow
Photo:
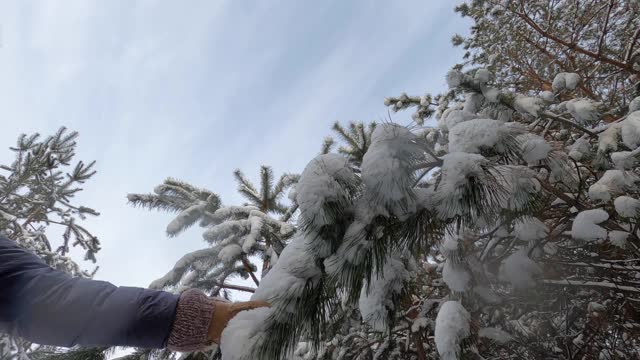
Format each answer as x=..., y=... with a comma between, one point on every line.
x=548, y=96
x=388, y=168
x=226, y=232
x=482, y=76
x=626, y=206
x=534, y=148
x=181, y=266
x=528, y=105
x=520, y=270
x=580, y=149
x=472, y=102
x=530, y=229
x=256, y=223
x=454, y=79
x=631, y=130
x=479, y=134
x=634, y=105
x=288, y=277
x=618, y=238
x=323, y=182
x=186, y=218
x=457, y=170
x=452, y=327
x=624, y=160
x=584, y=111
x=455, y=273
x=564, y=81
x=244, y=333
x=490, y=93
x=585, y=226
x=612, y=182
x=224, y=213
x=456, y=276
x=452, y=117
x=450, y=247
x=458, y=166
x=608, y=139
x=377, y=299
x=495, y=334
x=230, y=253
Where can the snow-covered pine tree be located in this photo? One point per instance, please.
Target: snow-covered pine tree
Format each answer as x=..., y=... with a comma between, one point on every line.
x=37, y=198
x=234, y=233
x=526, y=43
x=529, y=253
x=536, y=263
x=533, y=199
x=351, y=247
x=268, y=200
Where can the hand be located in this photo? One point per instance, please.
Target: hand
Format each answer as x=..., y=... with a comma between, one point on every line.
x=225, y=311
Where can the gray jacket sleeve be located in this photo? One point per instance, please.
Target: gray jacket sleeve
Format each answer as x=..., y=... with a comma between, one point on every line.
x=50, y=307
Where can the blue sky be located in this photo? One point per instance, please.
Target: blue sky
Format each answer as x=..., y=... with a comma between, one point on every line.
x=159, y=88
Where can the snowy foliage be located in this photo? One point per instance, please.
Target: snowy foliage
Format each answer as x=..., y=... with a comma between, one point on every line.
x=388, y=168
x=234, y=233
x=515, y=192
x=379, y=297
x=519, y=270
x=241, y=334
x=323, y=182
x=452, y=328
x=235, y=236
x=37, y=205
x=565, y=81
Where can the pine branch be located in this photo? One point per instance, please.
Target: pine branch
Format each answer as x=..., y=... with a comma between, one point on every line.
x=574, y=46
x=157, y=202
x=327, y=144
x=342, y=132
x=266, y=179
x=242, y=180
x=248, y=268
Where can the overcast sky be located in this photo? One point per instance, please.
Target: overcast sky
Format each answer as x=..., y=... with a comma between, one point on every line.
x=159, y=89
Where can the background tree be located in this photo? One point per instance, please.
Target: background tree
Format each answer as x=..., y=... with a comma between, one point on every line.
x=236, y=236
x=531, y=194
x=526, y=43
x=37, y=193
x=267, y=200
x=236, y=232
